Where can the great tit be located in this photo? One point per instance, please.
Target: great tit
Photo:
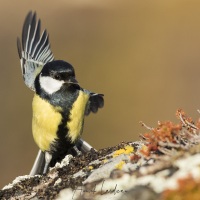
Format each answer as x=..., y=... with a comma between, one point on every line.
x=59, y=103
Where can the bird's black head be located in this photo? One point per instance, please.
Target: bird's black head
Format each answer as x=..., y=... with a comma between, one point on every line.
x=57, y=75
x=58, y=69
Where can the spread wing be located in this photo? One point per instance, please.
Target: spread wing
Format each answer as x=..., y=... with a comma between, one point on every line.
x=34, y=49
x=95, y=102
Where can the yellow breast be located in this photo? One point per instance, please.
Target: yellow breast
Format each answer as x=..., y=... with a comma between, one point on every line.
x=75, y=124
x=45, y=122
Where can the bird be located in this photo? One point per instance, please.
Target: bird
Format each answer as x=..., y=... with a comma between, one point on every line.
x=59, y=104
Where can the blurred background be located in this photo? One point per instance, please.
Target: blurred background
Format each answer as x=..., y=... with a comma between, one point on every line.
x=143, y=55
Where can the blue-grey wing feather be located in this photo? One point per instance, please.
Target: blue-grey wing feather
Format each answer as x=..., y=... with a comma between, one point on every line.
x=34, y=50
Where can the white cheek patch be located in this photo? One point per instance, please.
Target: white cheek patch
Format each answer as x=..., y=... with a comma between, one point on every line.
x=49, y=84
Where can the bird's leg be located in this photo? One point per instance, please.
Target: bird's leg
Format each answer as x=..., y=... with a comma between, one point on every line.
x=75, y=151
x=48, y=158
x=83, y=146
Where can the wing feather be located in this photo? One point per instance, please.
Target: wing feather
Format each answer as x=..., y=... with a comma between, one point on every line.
x=25, y=29
x=34, y=50
x=95, y=102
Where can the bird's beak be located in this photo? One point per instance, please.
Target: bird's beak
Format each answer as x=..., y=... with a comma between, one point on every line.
x=72, y=81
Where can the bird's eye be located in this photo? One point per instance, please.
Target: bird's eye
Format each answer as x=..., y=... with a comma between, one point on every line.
x=57, y=76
